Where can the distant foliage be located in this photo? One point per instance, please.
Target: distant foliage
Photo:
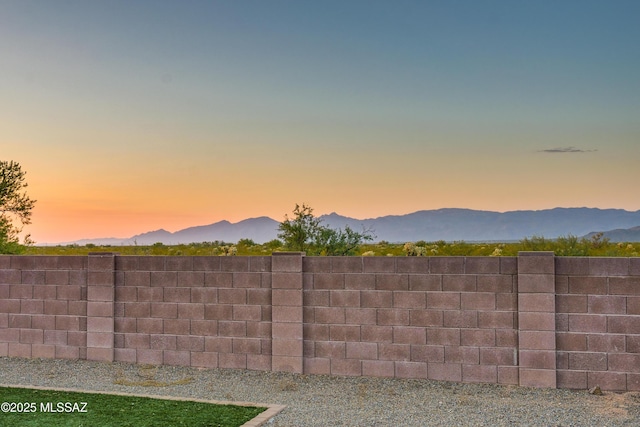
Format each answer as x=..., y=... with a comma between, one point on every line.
x=15, y=207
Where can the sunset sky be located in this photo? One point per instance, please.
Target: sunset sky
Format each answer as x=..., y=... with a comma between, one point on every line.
x=135, y=115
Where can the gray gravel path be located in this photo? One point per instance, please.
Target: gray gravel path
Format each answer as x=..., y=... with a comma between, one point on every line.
x=339, y=401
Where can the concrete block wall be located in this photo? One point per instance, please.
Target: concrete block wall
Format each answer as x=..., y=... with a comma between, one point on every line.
x=444, y=318
x=598, y=323
x=210, y=312
x=43, y=309
x=533, y=320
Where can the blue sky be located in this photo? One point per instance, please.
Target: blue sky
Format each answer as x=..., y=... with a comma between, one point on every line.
x=136, y=115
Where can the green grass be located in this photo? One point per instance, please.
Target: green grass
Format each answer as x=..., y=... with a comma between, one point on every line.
x=114, y=410
x=562, y=246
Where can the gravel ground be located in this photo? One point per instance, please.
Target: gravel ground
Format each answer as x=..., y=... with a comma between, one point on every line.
x=340, y=401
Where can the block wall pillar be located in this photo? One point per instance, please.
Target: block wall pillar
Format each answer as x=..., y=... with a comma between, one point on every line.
x=100, y=306
x=286, y=312
x=536, y=319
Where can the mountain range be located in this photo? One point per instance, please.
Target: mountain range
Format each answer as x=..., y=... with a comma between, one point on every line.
x=429, y=225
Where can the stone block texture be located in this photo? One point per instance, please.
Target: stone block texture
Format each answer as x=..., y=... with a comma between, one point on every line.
x=533, y=320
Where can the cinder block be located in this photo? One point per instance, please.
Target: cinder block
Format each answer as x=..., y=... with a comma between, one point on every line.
x=588, y=361
x=56, y=277
x=100, y=324
x=572, y=266
x=328, y=315
x=621, y=362
x=588, y=323
x=465, y=355
x=293, y=297
x=145, y=326
x=609, y=381
x=482, y=265
x=100, y=354
x=44, y=322
x=426, y=318
x=292, y=314
x=409, y=299
x=616, y=266
x=623, y=325
x=258, y=362
x=392, y=282
x=409, y=335
x=21, y=291
x=537, y=359
x=314, y=264
x=537, y=378
x=43, y=351
x=536, y=263
x=344, y=264
x=479, y=374
x=478, y=337
x=70, y=352
x=443, y=336
x=246, y=280
x=260, y=263
x=256, y=297
x=570, y=303
x=317, y=366
x=498, y=356
x=177, y=295
x=287, y=331
x=360, y=281
x=234, y=263
x=496, y=319
x=446, y=265
x=190, y=343
x=419, y=265
x=508, y=375
x=478, y=301
x=344, y=298
x=588, y=285
x=459, y=283
x=571, y=341
x=137, y=309
x=100, y=339
x=247, y=312
x=100, y=293
x=330, y=349
x=460, y=319
x=204, y=327
x=378, y=368
x=346, y=367
x=286, y=364
x=370, y=333
x=344, y=333
x=206, y=263
x=315, y=332
x=287, y=261
x=537, y=303
x=572, y=380
x=176, y=326
x=176, y=358
x=378, y=264
x=427, y=353
x=20, y=321
x=232, y=328
x=536, y=283
x=165, y=310
x=218, y=312
x=624, y=285
x=153, y=341
x=99, y=309
x=376, y=299
x=393, y=316
x=537, y=340
x=425, y=282
x=149, y=357
x=150, y=294
x=204, y=360
x=536, y=321
x=362, y=350
x=31, y=277
x=495, y=283
x=607, y=304
x=606, y=343
x=31, y=336
x=444, y=300
x=126, y=355
x=360, y=316
x=445, y=371
x=411, y=370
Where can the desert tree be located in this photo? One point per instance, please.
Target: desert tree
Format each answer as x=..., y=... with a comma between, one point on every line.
x=15, y=206
x=305, y=233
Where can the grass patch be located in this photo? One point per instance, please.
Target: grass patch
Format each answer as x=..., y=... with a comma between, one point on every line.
x=54, y=408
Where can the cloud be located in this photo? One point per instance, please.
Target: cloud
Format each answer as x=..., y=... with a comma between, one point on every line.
x=566, y=150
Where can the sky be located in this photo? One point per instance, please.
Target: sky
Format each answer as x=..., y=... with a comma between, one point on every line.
x=131, y=116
